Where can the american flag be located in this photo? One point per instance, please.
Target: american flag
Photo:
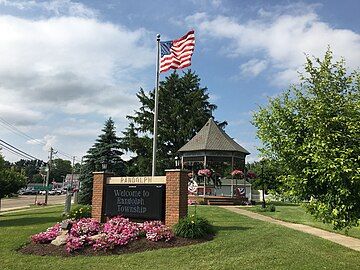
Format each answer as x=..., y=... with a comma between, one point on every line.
x=177, y=53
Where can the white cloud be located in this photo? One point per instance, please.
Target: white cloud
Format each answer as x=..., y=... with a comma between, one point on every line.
x=69, y=64
x=47, y=141
x=253, y=67
x=18, y=114
x=281, y=38
x=206, y=4
x=35, y=141
x=54, y=7
x=59, y=67
x=79, y=128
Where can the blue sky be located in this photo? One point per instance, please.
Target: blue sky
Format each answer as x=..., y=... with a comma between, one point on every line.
x=69, y=65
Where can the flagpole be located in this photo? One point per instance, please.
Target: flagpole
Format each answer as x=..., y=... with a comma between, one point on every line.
x=156, y=107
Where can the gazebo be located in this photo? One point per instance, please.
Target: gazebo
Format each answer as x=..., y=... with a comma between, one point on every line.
x=211, y=148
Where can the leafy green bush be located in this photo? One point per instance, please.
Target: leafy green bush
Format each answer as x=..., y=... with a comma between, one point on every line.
x=193, y=227
x=268, y=208
x=80, y=211
x=272, y=208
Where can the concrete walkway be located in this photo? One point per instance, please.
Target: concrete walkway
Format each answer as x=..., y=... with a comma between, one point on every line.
x=346, y=241
x=28, y=208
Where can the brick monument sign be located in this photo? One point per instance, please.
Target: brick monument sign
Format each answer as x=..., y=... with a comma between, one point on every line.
x=162, y=198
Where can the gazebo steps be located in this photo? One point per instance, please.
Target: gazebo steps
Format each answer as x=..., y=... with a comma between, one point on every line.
x=224, y=201
x=210, y=202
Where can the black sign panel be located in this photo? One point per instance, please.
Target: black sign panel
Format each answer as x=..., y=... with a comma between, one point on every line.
x=135, y=201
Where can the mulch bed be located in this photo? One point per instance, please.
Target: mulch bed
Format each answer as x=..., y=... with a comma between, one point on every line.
x=139, y=245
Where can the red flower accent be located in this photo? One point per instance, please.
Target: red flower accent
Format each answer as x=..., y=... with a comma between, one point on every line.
x=237, y=173
x=204, y=172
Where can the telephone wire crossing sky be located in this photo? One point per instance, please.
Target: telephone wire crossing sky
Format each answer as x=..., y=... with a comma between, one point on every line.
x=176, y=54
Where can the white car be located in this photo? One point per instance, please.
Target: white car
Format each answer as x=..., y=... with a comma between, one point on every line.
x=51, y=192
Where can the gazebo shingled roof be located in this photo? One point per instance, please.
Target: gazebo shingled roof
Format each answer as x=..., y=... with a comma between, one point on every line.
x=212, y=138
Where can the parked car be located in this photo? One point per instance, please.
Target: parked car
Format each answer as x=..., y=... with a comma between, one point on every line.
x=58, y=191
x=28, y=192
x=51, y=192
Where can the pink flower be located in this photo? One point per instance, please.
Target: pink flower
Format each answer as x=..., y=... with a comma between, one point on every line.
x=47, y=236
x=118, y=231
x=238, y=173
x=204, y=172
x=156, y=231
x=85, y=227
x=75, y=243
x=251, y=175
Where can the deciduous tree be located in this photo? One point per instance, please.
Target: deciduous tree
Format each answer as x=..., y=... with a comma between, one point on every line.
x=10, y=180
x=313, y=129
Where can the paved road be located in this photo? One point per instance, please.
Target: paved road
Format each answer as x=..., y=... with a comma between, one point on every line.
x=26, y=200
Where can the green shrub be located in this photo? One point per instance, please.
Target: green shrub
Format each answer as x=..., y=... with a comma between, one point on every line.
x=272, y=208
x=80, y=211
x=194, y=227
x=268, y=208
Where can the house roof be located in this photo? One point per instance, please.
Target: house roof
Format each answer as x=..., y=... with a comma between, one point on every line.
x=212, y=138
x=75, y=177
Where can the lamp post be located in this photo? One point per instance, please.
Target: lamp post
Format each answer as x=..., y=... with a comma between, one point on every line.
x=177, y=162
x=263, y=203
x=63, y=181
x=104, y=166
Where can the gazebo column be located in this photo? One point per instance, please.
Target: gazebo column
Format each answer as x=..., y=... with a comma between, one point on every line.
x=232, y=177
x=204, y=176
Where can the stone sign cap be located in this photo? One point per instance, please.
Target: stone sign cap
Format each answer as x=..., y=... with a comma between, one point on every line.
x=136, y=180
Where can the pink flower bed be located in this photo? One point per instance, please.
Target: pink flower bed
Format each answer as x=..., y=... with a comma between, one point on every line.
x=118, y=231
x=47, y=236
x=156, y=231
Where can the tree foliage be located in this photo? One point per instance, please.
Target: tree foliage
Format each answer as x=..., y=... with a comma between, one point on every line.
x=59, y=169
x=184, y=107
x=313, y=129
x=105, y=150
x=10, y=180
x=30, y=168
x=268, y=175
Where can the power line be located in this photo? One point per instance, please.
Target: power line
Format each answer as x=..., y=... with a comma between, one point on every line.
x=17, y=149
x=14, y=152
x=17, y=131
x=14, y=129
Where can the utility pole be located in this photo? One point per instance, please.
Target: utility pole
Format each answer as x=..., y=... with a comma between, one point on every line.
x=76, y=194
x=48, y=175
x=69, y=190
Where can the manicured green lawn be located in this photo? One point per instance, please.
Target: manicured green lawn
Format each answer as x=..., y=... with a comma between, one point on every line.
x=241, y=243
x=297, y=214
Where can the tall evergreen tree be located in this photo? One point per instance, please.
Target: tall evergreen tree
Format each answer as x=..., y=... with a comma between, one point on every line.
x=184, y=107
x=105, y=150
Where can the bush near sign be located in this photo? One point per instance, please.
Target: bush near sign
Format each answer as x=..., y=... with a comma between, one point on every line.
x=135, y=201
